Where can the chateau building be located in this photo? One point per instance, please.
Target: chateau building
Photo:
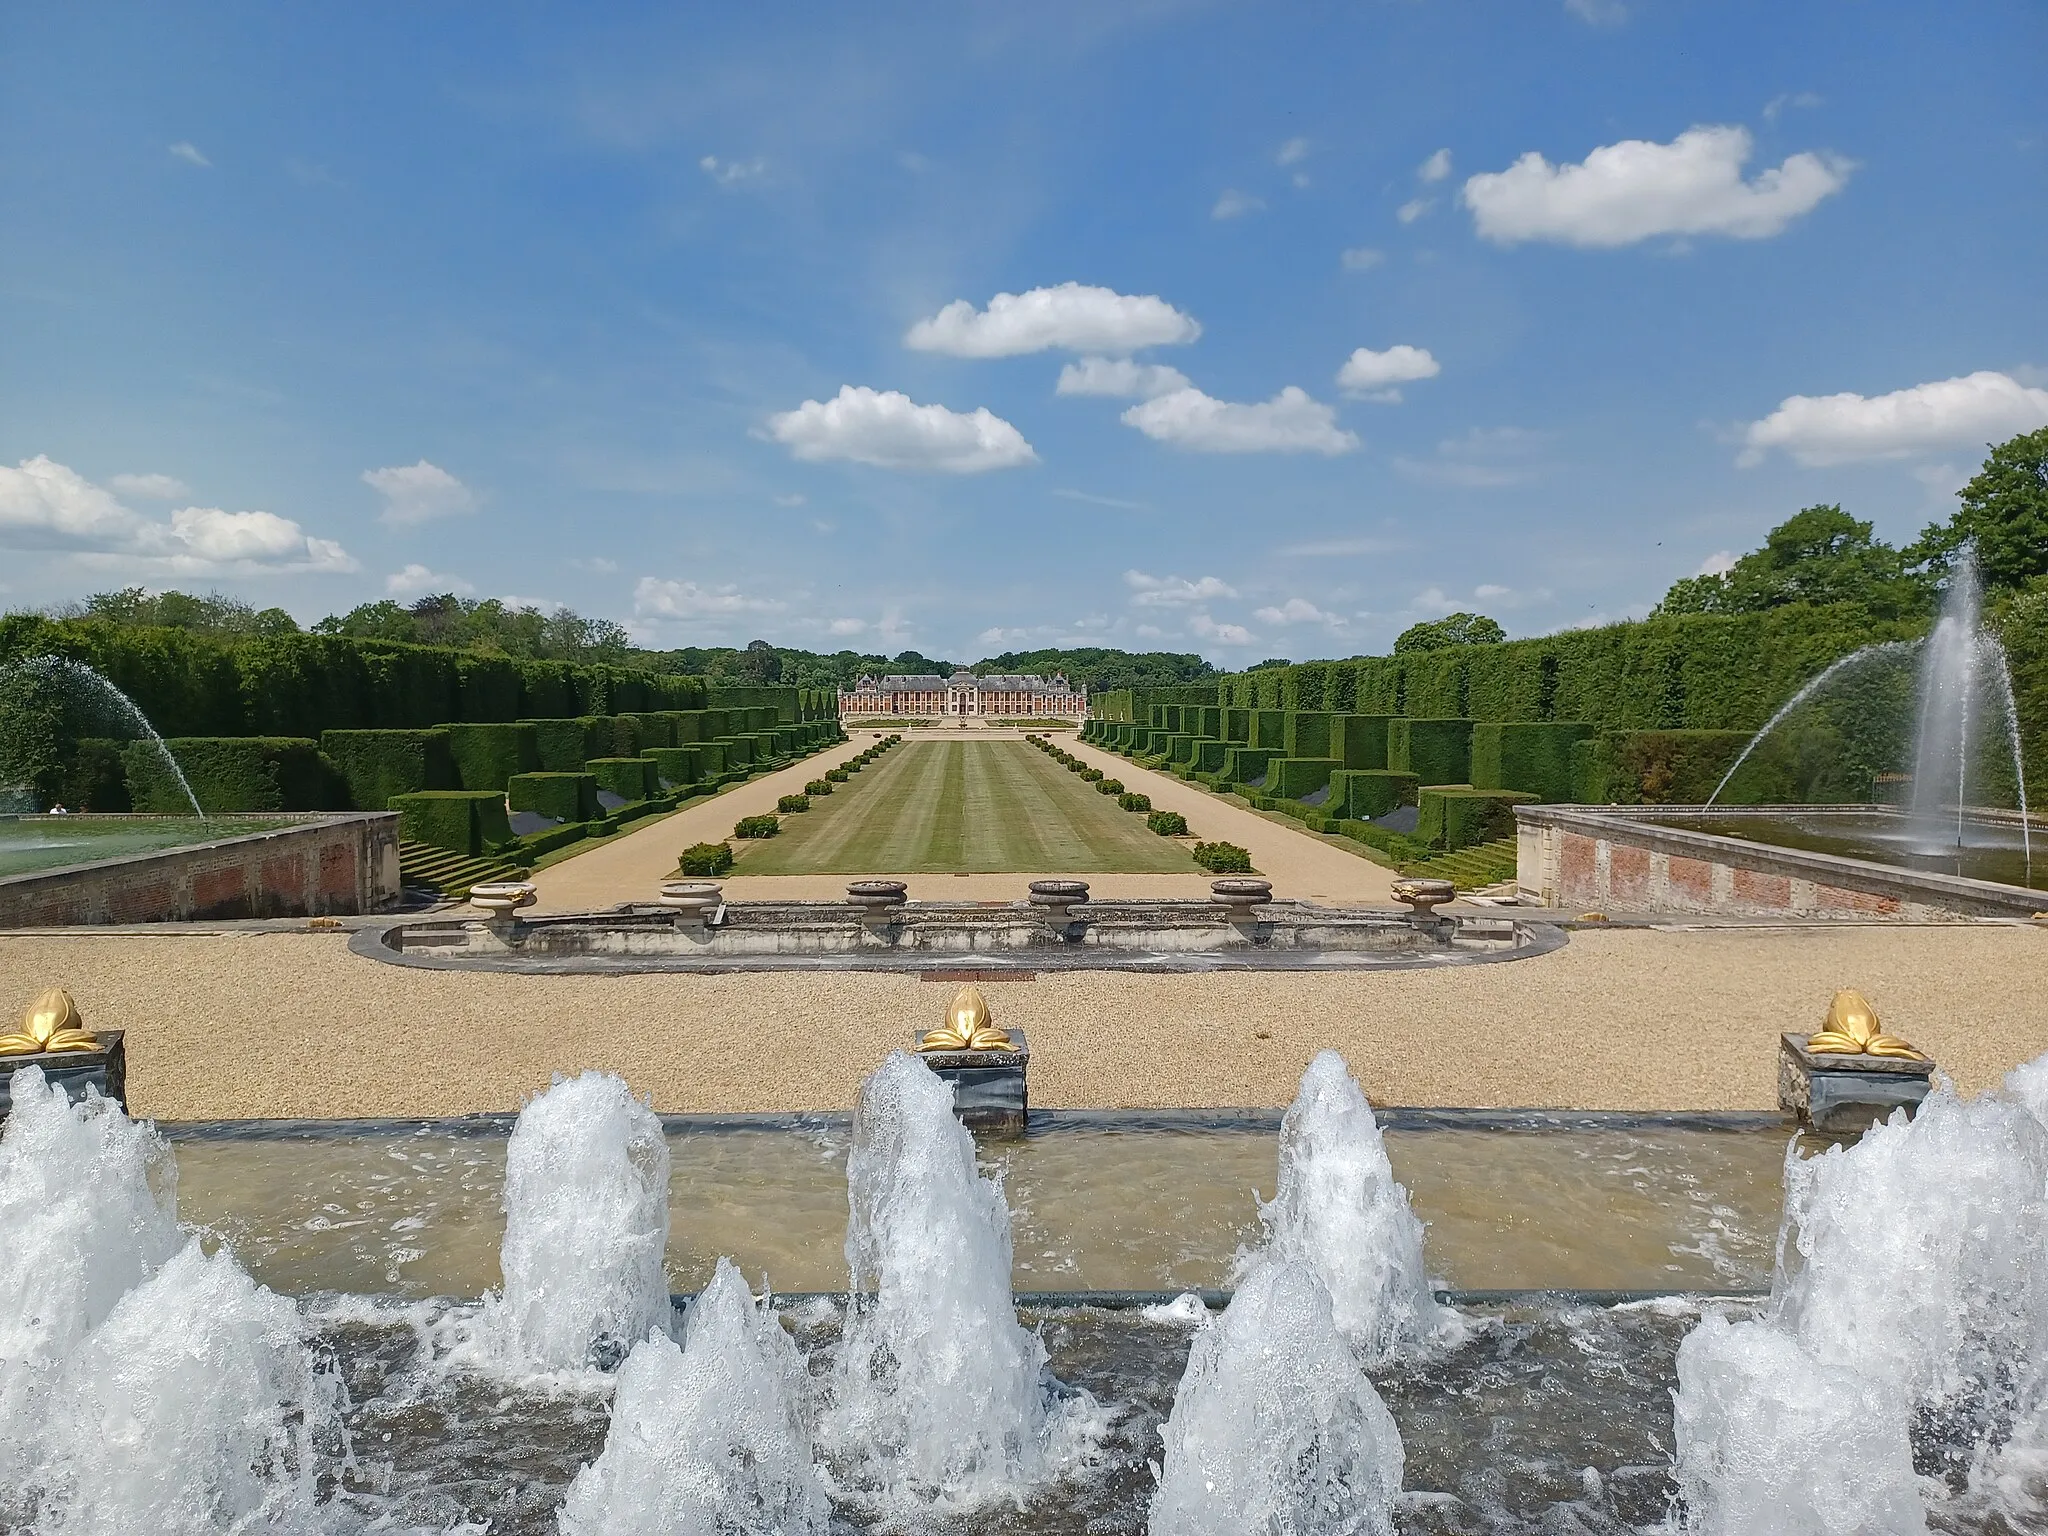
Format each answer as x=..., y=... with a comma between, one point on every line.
x=928, y=696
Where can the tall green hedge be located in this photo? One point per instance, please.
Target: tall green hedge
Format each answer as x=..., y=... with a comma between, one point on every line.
x=1535, y=756
x=487, y=756
x=1435, y=751
x=1457, y=816
x=630, y=778
x=564, y=796
x=375, y=765
x=235, y=773
x=460, y=820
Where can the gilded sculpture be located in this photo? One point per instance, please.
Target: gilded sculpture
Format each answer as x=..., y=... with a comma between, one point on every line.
x=52, y=1023
x=967, y=1027
x=1851, y=1029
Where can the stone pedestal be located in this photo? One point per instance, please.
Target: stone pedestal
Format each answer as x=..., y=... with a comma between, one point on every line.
x=105, y=1069
x=989, y=1093
x=1841, y=1095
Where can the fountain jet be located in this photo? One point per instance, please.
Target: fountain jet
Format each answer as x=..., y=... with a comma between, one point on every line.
x=62, y=670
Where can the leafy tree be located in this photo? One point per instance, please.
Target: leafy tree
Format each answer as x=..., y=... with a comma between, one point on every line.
x=1818, y=555
x=1270, y=661
x=761, y=664
x=1102, y=668
x=2005, y=509
x=212, y=614
x=1451, y=629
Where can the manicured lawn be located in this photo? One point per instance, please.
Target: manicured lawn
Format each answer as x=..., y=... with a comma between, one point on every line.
x=965, y=807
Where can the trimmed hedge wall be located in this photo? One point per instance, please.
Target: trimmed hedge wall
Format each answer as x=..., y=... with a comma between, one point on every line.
x=375, y=765
x=630, y=778
x=1435, y=751
x=565, y=745
x=1360, y=741
x=487, y=756
x=1534, y=756
x=563, y=796
x=1364, y=794
x=1457, y=816
x=1295, y=778
x=1681, y=768
x=461, y=820
x=234, y=773
x=676, y=767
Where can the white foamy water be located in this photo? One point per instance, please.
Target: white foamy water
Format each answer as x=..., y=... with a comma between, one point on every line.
x=88, y=1210
x=1339, y=1212
x=586, y=1228
x=707, y=1437
x=940, y=1396
x=1275, y=1427
x=1911, y=1299
x=194, y=1409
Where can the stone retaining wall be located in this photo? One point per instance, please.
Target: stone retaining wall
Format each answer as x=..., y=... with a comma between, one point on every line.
x=331, y=865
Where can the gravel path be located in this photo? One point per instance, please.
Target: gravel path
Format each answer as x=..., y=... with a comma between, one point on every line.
x=230, y=1025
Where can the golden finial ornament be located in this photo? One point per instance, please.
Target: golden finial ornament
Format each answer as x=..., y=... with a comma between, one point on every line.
x=1851, y=1029
x=52, y=1023
x=967, y=1027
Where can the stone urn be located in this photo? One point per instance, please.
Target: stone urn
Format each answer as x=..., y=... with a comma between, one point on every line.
x=879, y=901
x=1422, y=897
x=501, y=900
x=1056, y=899
x=693, y=902
x=53, y=1037
x=1240, y=896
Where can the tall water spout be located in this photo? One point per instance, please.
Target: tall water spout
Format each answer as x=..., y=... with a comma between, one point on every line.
x=1911, y=1298
x=1812, y=686
x=1275, y=1427
x=1339, y=1212
x=195, y=1408
x=78, y=675
x=708, y=1437
x=586, y=1228
x=88, y=1210
x=1948, y=688
x=940, y=1396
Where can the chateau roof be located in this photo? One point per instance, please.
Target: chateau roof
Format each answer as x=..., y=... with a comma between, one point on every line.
x=931, y=682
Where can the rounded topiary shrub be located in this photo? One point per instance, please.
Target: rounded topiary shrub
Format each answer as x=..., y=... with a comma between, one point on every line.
x=837, y=775
x=1223, y=858
x=819, y=786
x=790, y=805
x=707, y=859
x=1131, y=800
x=1092, y=775
x=1109, y=786
x=756, y=826
x=1168, y=823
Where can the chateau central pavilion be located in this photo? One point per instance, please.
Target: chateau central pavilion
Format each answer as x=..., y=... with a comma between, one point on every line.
x=927, y=696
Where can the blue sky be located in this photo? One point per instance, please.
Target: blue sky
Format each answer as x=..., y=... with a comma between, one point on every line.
x=691, y=317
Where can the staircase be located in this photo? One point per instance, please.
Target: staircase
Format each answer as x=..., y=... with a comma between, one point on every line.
x=1469, y=869
x=451, y=874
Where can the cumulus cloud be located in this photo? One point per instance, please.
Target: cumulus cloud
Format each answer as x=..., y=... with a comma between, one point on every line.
x=1073, y=317
x=890, y=430
x=847, y=627
x=47, y=505
x=1290, y=422
x=657, y=599
x=1174, y=591
x=1635, y=190
x=1220, y=634
x=1299, y=610
x=1121, y=377
x=418, y=493
x=411, y=580
x=1361, y=258
x=1234, y=204
x=726, y=172
x=1837, y=429
x=1292, y=152
x=189, y=153
x=1435, y=168
x=151, y=487
x=1414, y=209
x=1375, y=374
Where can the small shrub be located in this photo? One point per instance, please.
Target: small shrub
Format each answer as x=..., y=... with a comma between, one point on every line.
x=791, y=805
x=1223, y=858
x=1092, y=775
x=819, y=787
x=837, y=775
x=707, y=859
x=1109, y=786
x=756, y=826
x=1168, y=823
x=1131, y=800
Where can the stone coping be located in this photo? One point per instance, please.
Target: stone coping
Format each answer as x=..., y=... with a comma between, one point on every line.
x=1638, y=826
x=299, y=820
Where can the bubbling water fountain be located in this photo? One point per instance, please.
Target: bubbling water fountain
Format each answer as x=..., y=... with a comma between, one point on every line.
x=586, y=1229
x=1339, y=1213
x=940, y=1396
x=709, y=1436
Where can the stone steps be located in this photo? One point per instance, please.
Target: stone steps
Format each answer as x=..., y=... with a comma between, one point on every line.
x=451, y=874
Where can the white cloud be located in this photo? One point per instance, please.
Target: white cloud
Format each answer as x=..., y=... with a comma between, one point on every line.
x=418, y=493
x=890, y=430
x=1299, y=610
x=1778, y=104
x=410, y=580
x=1635, y=190
x=1719, y=563
x=597, y=565
x=1293, y=151
x=1375, y=374
x=189, y=153
x=1435, y=168
x=1414, y=209
x=1072, y=316
x=1489, y=589
x=1290, y=422
x=1121, y=377
x=847, y=627
x=151, y=487
x=1220, y=634
x=1598, y=13
x=1233, y=204
x=1838, y=429
x=1150, y=631
x=656, y=599
x=726, y=172
x=1362, y=258
x=47, y=505
x=1174, y=591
